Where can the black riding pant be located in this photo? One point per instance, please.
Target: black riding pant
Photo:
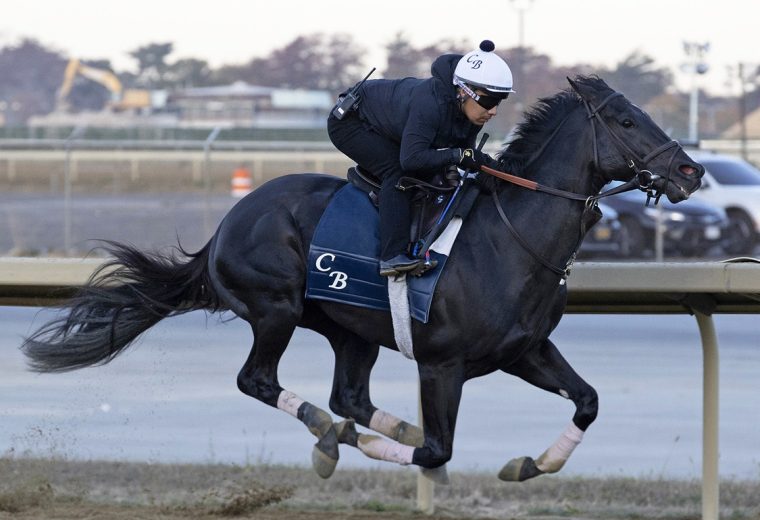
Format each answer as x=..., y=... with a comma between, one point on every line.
x=380, y=156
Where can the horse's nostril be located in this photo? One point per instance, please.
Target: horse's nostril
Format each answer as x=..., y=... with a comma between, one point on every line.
x=687, y=170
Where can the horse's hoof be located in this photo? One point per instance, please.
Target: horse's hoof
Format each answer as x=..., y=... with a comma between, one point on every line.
x=346, y=432
x=323, y=464
x=519, y=470
x=410, y=435
x=438, y=475
x=324, y=456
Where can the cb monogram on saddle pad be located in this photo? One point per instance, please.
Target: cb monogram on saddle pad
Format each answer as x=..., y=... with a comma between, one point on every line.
x=343, y=259
x=340, y=278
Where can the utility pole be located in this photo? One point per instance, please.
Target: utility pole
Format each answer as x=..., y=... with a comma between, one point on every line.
x=521, y=6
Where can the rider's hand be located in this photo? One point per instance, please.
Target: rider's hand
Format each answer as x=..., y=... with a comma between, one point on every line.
x=470, y=159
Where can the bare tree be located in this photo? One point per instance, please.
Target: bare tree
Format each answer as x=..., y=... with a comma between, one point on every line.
x=189, y=72
x=152, y=67
x=639, y=77
x=406, y=61
x=30, y=76
x=316, y=61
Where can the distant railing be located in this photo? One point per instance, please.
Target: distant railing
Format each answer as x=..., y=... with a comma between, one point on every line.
x=147, y=133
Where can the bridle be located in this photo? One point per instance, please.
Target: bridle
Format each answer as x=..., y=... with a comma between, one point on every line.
x=644, y=176
x=643, y=179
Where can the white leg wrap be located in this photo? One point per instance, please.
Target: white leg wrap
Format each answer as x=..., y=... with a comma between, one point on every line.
x=378, y=448
x=555, y=457
x=385, y=423
x=289, y=402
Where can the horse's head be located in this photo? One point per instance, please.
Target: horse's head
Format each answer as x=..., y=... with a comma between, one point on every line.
x=628, y=143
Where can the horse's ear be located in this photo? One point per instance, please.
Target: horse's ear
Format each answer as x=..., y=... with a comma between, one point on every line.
x=590, y=88
x=574, y=86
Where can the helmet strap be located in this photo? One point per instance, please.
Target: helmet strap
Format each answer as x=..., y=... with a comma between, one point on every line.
x=466, y=89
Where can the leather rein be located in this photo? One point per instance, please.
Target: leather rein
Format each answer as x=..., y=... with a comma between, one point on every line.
x=643, y=179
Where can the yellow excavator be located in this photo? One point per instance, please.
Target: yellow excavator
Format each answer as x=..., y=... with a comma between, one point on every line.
x=121, y=99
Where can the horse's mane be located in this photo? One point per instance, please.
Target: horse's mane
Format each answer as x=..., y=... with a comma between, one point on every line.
x=539, y=121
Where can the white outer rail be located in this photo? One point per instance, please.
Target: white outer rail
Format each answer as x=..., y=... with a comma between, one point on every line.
x=701, y=289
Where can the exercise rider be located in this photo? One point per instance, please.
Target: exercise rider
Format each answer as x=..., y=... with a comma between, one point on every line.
x=414, y=127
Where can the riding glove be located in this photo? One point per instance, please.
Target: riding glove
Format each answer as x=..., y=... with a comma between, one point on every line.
x=470, y=159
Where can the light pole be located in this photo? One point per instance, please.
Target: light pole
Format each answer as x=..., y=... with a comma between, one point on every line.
x=521, y=6
x=696, y=66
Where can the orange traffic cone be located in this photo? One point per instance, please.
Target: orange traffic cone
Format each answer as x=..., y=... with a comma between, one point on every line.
x=241, y=182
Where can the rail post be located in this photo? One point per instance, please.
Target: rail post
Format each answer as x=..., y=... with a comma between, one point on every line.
x=710, y=389
x=75, y=134
x=425, y=486
x=207, y=179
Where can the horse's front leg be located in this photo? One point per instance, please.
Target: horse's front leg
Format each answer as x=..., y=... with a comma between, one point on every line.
x=545, y=368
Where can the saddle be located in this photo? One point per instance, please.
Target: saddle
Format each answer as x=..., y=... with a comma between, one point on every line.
x=434, y=203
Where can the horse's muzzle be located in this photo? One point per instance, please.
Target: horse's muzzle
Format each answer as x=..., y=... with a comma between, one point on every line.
x=694, y=173
x=685, y=180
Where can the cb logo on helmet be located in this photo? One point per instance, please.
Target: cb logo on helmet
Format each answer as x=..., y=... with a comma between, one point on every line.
x=475, y=62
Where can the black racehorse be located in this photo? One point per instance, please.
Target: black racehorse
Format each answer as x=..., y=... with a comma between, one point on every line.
x=496, y=303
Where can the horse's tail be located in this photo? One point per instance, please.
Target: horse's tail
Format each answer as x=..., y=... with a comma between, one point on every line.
x=124, y=298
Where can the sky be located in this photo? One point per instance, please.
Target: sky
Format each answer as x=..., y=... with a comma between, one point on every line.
x=598, y=32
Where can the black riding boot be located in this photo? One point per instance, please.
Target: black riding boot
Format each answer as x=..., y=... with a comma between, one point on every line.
x=394, y=229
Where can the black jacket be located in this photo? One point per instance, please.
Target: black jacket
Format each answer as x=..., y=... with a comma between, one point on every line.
x=422, y=115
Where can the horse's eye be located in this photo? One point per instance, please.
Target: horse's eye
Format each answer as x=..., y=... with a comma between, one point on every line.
x=627, y=123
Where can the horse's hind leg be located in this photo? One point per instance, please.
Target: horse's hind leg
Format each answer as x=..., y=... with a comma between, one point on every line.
x=545, y=368
x=258, y=378
x=260, y=274
x=350, y=398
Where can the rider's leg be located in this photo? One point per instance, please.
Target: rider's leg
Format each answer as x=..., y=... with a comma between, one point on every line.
x=380, y=156
x=395, y=216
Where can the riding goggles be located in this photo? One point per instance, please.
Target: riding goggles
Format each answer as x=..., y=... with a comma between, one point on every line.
x=489, y=102
x=485, y=101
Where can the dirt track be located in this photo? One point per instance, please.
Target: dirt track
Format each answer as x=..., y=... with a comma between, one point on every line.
x=33, y=489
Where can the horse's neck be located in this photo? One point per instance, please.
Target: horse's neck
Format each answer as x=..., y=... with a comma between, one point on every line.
x=552, y=224
x=564, y=164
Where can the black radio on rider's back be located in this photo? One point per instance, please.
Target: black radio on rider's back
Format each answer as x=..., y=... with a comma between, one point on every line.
x=350, y=101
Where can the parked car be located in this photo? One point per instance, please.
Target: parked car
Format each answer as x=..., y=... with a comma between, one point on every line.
x=605, y=238
x=734, y=185
x=690, y=228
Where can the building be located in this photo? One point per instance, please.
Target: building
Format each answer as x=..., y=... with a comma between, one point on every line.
x=752, y=126
x=252, y=106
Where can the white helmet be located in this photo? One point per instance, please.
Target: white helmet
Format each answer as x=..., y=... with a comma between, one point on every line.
x=484, y=69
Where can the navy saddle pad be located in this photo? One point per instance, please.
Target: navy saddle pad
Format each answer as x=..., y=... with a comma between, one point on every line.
x=344, y=259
